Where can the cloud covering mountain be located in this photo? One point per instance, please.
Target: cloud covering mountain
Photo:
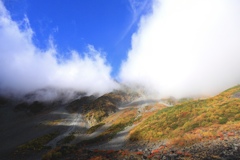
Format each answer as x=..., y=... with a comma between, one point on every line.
x=186, y=47
x=24, y=67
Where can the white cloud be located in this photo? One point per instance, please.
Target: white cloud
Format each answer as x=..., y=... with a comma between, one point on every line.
x=186, y=47
x=24, y=67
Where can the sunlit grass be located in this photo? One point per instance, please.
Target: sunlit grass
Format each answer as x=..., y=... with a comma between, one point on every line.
x=177, y=121
x=53, y=122
x=94, y=128
x=125, y=119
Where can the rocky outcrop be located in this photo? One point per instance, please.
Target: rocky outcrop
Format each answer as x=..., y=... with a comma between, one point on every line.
x=96, y=109
x=236, y=95
x=217, y=149
x=228, y=149
x=80, y=105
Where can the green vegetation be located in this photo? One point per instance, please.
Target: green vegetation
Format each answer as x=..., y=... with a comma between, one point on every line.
x=125, y=119
x=36, y=144
x=59, y=152
x=67, y=139
x=184, y=118
x=223, y=120
x=96, y=115
x=184, y=100
x=53, y=122
x=94, y=128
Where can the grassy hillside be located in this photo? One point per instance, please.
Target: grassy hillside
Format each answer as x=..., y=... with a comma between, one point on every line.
x=194, y=129
x=194, y=120
x=120, y=120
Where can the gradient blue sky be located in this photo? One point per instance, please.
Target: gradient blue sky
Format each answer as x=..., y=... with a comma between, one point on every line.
x=106, y=24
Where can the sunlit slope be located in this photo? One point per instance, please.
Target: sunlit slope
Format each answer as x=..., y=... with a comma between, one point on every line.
x=121, y=120
x=194, y=120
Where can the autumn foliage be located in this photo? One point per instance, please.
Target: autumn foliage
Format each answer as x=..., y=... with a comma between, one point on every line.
x=192, y=121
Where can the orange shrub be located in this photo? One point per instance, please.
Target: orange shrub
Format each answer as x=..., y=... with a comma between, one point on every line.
x=231, y=134
x=110, y=151
x=97, y=158
x=187, y=154
x=156, y=151
x=139, y=153
x=150, y=156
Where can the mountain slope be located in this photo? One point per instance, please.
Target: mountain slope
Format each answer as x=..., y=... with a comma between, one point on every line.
x=135, y=128
x=199, y=119
x=196, y=129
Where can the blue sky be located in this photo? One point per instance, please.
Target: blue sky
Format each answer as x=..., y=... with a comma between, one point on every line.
x=106, y=24
x=170, y=47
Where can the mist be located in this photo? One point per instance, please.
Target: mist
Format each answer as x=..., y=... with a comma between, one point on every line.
x=25, y=68
x=186, y=48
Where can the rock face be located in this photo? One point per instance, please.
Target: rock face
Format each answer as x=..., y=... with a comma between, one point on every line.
x=236, y=95
x=216, y=149
x=81, y=104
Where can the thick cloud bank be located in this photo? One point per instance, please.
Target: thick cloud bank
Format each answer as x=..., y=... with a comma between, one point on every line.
x=186, y=47
x=24, y=67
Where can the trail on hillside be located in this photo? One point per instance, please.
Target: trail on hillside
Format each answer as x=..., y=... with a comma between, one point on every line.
x=81, y=137
x=120, y=139
x=74, y=122
x=142, y=102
